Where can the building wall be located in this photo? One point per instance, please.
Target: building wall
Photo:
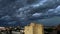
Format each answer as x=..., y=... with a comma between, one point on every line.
x=40, y=29
x=34, y=29
x=28, y=30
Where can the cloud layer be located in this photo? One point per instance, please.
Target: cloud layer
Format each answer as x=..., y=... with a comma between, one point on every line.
x=22, y=12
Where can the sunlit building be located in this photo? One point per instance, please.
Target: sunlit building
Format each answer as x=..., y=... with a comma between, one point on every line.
x=34, y=28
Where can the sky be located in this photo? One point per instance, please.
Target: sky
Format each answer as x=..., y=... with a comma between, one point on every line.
x=23, y=12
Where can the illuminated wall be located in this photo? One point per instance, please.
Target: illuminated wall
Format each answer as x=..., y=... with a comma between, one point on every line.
x=34, y=29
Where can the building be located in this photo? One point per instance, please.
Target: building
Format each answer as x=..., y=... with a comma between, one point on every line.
x=34, y=28
x=56, y=30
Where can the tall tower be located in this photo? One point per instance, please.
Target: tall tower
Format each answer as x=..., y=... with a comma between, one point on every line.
x=34, y=28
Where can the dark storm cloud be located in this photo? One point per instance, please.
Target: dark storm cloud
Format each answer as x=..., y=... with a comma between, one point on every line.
x=43, y=6
x=25, y=11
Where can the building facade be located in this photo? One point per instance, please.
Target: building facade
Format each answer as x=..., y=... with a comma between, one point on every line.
x=34, y=28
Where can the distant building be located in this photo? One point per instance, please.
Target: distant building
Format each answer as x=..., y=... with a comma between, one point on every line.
x=2, y=28
x=34, y=28
x=56, y=30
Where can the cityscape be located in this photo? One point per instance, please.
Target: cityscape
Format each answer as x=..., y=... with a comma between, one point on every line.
x=32, y=28
x=29, y=16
